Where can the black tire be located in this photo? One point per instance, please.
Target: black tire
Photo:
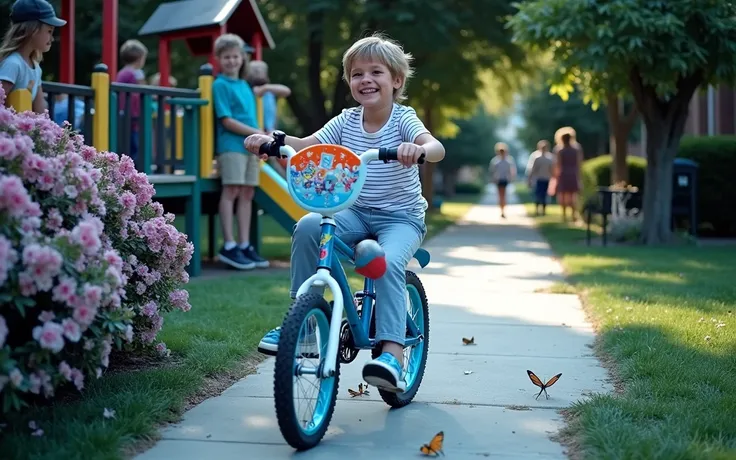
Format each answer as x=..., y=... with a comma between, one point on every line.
x=284, y=375
x=397, y=400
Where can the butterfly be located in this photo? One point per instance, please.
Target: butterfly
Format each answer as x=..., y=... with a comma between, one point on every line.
x=361, y=391
x=470, y=341
x=434, y=447
x=535, y=380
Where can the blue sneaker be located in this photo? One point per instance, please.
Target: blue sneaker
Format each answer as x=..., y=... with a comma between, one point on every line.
x=385, y=373
x=269, y=344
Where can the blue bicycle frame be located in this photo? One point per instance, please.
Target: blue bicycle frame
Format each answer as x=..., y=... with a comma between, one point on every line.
x=359, y=325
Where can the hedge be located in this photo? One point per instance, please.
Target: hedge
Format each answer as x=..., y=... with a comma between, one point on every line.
x=596, y=172
x=716, y=157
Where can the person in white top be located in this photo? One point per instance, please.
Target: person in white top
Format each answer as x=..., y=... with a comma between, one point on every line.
x=502, y=170
x=390, y=206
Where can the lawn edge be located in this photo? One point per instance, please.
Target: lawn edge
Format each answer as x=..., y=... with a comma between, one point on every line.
x=211, y=386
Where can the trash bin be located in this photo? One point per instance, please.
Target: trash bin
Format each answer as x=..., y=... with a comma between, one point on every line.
x=685, y=193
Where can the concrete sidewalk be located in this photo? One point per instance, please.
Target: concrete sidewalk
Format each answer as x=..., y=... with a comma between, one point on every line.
x=481, y=283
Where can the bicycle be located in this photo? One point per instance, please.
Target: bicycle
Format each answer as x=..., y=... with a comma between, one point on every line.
x=336, y=340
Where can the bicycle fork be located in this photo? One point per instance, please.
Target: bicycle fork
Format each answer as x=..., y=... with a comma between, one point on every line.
x=321, y=278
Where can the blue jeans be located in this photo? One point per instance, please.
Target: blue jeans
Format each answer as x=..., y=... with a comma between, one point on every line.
x=540, y=191
x=400, y=235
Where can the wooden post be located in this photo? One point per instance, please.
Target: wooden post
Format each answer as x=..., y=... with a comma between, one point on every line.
x=20, y=100
x=67, y=42
x=110, y=37
x=164, y=61
x=101, y=121
x=206, y=122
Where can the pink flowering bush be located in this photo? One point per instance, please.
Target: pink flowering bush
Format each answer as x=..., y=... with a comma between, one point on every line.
x=87, y=260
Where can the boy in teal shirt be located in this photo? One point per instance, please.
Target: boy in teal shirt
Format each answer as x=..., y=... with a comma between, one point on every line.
x=235, y=115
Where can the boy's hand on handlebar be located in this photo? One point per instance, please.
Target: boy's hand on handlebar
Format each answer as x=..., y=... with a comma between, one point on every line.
x=253, y=144
x=408, y=154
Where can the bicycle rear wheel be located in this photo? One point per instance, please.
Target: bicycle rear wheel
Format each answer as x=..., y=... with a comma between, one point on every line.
x=415, y=357
x=301, y=354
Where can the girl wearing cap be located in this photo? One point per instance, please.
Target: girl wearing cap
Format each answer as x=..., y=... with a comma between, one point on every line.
x=30, y=35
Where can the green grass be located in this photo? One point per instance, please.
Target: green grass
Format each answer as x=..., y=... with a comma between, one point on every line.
x=658, y=311
x=214, y=340
x=212, y=345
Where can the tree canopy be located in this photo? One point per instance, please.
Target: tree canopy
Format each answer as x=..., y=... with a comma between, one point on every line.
x=544, y=113
x=662, y=50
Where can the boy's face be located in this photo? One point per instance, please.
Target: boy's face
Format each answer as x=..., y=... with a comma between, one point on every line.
x=230, y=61
x=43, y=38
x=371, y=83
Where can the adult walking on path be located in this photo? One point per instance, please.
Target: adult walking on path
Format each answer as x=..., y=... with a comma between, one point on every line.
x=482, y=283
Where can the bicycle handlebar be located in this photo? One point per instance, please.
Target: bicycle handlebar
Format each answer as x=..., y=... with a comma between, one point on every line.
x=273, y=149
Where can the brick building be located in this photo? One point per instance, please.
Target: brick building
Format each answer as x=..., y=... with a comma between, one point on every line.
x=712, y=112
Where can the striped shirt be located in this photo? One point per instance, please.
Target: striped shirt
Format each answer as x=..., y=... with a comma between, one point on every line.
x=388, y=186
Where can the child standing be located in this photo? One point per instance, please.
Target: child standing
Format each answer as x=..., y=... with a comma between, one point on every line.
x=133, y=55
x=502, y=171
x=390, y=207
x=236, y=118
x=29, y=36
x=267, y=91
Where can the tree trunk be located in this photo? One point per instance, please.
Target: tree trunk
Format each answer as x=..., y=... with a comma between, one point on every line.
x=427, y=169
x=619, y=138
x=449, y=181
x=665, y=124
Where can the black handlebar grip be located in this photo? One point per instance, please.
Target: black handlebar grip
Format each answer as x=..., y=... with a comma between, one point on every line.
x=273, y=148
x=386, y=155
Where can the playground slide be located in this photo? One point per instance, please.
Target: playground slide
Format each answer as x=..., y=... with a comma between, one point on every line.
x=273, y=197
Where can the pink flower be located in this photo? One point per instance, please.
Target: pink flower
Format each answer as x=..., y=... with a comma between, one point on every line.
x=65, y=370
x=49, y=336
x=149, y=309
x=46, y=316
x=78, y=378
x=71, y=330
x=114, y=259
x=66, y=288
x=85, y=233
x=92, y=294
x=84, y=314
x=13, y=196
x=54, y=220
x=180, y=300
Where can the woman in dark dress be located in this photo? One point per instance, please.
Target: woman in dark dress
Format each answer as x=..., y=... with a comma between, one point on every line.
x=569, y=159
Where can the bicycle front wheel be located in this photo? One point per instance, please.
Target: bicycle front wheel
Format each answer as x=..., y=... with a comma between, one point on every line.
x=304, y=400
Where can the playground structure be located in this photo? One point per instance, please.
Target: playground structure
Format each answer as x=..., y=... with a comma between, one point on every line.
x=177, y=157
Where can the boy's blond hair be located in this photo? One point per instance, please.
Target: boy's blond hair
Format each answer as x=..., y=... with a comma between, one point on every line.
x=382, y=49
x=229, y=41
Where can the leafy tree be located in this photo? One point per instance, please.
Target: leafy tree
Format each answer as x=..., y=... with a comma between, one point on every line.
x=452, y=41
x=661, y=50
x=472, y=146
x=544, y=113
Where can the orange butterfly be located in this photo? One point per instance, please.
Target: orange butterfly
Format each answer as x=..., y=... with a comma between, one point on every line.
x=470, y=341
x=535, y=380
x=361, y=391
x=435, y=445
